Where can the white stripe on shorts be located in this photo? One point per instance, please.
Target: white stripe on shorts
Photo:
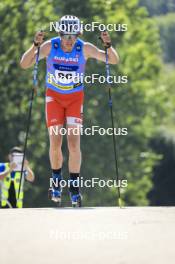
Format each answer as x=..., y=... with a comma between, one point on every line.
x=74, y=121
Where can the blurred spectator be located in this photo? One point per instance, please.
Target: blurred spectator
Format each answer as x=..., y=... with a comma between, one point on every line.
x=10, y=179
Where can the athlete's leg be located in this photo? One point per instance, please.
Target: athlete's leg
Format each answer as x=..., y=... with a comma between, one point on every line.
x=74, y=121
x=55, y=151
x=56, y=160
x=55, y=120
x=73, y=140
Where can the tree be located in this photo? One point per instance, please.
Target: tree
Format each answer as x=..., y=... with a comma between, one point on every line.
x=138, y=105
x=166, y=26
x=158, y=7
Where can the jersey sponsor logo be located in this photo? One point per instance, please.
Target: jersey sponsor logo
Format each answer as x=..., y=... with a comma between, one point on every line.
x=78, y=48
x=53, y=120
x=65, y=68
x=49, y=99
x=55, y=45
x=64, y=59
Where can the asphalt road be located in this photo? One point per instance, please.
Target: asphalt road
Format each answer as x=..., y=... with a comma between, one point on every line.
x=108, y=235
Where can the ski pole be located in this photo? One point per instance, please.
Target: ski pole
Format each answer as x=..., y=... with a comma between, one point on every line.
x=112, y=122
x=35, y=83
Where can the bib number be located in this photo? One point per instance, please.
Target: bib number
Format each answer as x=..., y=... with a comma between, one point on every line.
x=66, y=77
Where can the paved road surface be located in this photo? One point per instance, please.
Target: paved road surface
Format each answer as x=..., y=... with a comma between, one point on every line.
x=109, y=235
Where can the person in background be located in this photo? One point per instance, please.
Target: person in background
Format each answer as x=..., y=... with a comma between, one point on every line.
x=10, y=180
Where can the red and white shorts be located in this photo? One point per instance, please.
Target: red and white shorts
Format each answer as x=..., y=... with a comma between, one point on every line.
x=64, y=107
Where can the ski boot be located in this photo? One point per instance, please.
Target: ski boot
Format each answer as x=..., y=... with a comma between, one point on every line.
x=76, y=199
x=55, y=196
x=55, y=190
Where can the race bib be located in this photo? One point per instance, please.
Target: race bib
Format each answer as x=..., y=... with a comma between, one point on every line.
x=66, y=77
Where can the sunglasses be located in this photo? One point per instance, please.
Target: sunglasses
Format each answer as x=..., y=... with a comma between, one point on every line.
x=68, y=36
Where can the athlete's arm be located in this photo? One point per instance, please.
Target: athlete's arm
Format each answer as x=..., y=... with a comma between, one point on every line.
x=91, y=51
x=29, y=57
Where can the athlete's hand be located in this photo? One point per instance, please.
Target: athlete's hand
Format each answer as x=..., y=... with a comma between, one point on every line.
x=39, y=38
x=106, y=39
x=12, y=166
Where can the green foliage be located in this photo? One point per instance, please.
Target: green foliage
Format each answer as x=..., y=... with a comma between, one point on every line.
x=164, y=14
x=162, y=192
x=166, y=26
x=139, y=105
x=158, y=7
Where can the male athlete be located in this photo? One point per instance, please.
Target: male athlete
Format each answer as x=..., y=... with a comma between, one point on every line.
x=66, y=57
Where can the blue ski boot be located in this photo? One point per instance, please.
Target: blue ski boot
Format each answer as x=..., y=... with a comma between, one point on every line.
x=75, y=196
x=54, y=195
x=76, y=200
x=55, y=190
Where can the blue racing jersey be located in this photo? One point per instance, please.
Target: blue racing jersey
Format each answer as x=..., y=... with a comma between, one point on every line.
x=65, y=70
